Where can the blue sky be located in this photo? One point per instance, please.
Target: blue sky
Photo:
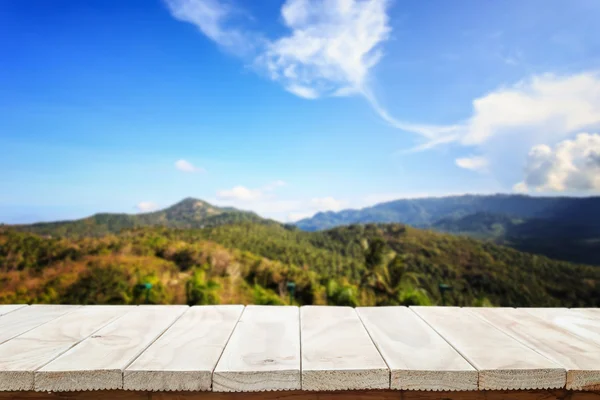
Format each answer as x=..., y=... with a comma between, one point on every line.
x=292, y=107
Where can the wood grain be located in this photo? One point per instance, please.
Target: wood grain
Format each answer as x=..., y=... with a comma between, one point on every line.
x=16, y=323
x=186, y=355
x=582, y=322
x=23, y=355
x=418, y=357
x=580, y=357
x=299, y=395
x=8, y=308
x=97, y=362
x=503, y=362
x=337, y=352
x=263, y=352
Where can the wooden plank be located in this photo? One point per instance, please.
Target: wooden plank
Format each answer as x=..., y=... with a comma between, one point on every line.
x=580, y=357
x=503, y=362
x=337, y=352
x=23, y=355
x=582, y=322
x=418, y=357
x=97, y=362
x=8, y=308
x=557, y=394
x=560, y=394
x=185, y=356
x=263, y=352
x=21, y=321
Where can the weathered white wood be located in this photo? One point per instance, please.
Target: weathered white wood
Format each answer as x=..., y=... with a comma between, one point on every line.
x=418, y=357
x=546, y=313
x=184, y=357
x=580, y=357
x=337, y=352
x=98, y=362
x=263, y=353
x=502, y=362
x=21, y=321
x=23, y=355
x=8, y=308
x=583, y=322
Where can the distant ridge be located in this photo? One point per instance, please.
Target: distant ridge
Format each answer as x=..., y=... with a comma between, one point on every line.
x=424, y=212
x=186, y=214
x=566, y=228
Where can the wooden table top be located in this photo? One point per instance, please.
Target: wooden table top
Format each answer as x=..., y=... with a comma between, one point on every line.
x=232, y=348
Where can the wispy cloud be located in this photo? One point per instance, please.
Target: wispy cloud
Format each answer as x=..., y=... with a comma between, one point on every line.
x=146, y=206
x=267, y=202
x=214, y=18
x=330, y=49
x=544, y=106
x=331, y=46
x=240, y=193
x=474, y=163
x=245, y=194
x=187, y=166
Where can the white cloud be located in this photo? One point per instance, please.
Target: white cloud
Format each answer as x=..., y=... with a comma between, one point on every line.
x=572, y=165
x=544, y=107
x=331, y=47
x=213, y=18
x=326, y=204
x=475, y=163
x=547, y=102
x=146, y=206
x=187, y=166
x=302, y=91
x=244, y=194
x=265, y=203
x=240, y=193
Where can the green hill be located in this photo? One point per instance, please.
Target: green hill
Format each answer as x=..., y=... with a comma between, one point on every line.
x=188, y=213
x=253, y=262
x=424, y=212
x=555, y=238
x=565, y=228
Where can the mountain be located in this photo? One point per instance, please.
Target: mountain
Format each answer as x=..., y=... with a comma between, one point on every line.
x=565, y=228
x=424, y=212
x=250, y=262
x=555, y=238
x=188, y=213
x=561, y=228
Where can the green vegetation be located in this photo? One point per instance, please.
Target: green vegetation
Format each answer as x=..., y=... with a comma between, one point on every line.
x=561, y=228
x=563, y=240
x=251, y=262
x=188, y=213
x=565, y=228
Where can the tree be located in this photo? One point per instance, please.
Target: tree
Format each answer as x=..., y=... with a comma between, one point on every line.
x=199, y=291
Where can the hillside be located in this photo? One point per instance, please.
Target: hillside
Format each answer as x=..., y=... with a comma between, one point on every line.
x=562, y=228
x=565, y=228
x=188, y=213
x=426, y=211
x=559, y=239
x=252, y=263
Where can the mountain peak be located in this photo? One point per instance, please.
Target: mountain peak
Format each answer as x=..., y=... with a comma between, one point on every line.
x=192, y=203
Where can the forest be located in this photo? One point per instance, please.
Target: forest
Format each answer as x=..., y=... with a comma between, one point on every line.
x=267, y=263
